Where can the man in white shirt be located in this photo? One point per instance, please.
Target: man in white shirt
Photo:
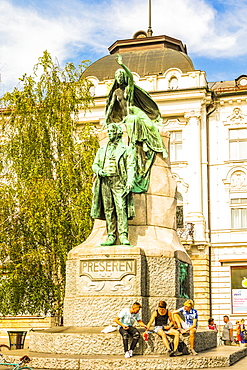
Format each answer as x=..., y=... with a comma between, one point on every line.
x=125, y=321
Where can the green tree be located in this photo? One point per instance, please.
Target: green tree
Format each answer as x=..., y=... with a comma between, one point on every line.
x=45, y=191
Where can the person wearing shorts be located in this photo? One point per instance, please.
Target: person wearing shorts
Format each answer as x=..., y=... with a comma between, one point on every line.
x=190, y=324
x=161, y=317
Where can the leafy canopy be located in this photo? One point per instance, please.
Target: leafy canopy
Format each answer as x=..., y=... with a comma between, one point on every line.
x=45, y=185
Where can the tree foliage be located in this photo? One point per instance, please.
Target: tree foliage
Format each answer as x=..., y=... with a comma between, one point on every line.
x=45, y=190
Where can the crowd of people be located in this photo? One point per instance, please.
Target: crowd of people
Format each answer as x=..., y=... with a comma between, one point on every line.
x=170, y=325
x=227, y=336
x=241, y=332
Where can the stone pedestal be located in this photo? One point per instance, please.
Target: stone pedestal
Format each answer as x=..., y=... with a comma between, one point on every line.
x=103, y=280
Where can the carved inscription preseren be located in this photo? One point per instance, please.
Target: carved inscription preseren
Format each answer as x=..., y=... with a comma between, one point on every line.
x=107, y=269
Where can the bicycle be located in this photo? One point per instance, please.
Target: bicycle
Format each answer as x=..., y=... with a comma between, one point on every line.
x=4, y=347
x=23, y=360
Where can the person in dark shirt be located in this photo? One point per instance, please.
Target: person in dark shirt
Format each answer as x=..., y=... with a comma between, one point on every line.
x=163, y=322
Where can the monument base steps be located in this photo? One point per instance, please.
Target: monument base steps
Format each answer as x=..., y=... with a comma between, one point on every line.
x=222, y=356
x=91, y=341
x=78, y=348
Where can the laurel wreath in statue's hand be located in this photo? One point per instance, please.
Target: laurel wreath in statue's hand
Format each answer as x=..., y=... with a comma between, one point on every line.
x=119, y=59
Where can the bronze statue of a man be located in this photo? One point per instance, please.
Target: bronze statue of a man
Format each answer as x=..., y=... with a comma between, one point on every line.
x=114, y=166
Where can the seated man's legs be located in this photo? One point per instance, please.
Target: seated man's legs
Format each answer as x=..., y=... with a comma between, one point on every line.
x=162, y=334
x=125, y=336
x=192, y=338
x=185, y=329
x=177, y=320
x=176, y=335
x=136, y=336
x=180, y=324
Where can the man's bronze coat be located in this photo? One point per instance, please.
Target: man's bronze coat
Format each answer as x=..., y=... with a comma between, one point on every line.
x=125, y=163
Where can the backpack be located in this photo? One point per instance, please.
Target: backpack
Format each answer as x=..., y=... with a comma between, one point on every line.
x=183, y=348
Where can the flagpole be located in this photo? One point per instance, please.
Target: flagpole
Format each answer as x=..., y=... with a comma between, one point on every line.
x=150, y=31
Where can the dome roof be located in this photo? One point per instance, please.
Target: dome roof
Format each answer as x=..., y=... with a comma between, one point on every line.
x=145, y=56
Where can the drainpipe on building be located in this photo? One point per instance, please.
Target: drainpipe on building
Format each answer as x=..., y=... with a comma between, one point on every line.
x=208, y=190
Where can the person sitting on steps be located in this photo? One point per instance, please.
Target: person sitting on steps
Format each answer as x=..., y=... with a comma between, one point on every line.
x=190, y=324
x=160, y=317
x=125, y=321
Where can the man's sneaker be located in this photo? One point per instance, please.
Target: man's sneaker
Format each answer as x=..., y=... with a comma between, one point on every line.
x=176, y=353
x=193, y=352
x=127, y=354
x=130, y=352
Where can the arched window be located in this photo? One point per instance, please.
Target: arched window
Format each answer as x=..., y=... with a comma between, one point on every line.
x=179, y=211
x=173, y=83
x=92, y=90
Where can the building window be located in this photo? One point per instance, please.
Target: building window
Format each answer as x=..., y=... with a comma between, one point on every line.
x=179, y=211
x=173, y=83
x=238, y=143
x=239, y=289
x=175, y=146
x=92, y=90
x=239, y=213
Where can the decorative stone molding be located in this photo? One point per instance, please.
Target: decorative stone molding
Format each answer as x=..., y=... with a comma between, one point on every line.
x=236, y=118
x=152, y=83
x=201, y=247
x=193, y=74
x=192, y=114
x=172, y=72
x=126, y=284
x=187, y=247
x=236, y=179
x=174, y=123
x=181, y=185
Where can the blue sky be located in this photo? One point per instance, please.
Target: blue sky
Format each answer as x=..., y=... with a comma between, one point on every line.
x=215, y=32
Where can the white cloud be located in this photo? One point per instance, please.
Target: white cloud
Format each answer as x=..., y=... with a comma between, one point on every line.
x=67, y=29
x=25, y=34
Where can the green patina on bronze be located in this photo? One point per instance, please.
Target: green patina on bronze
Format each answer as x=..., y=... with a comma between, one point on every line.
x=184, y=279
x=114, y=166
x=121, y=169
x=133, y=106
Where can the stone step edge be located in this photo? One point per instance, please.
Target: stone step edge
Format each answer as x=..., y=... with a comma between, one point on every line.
x=65, y=362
